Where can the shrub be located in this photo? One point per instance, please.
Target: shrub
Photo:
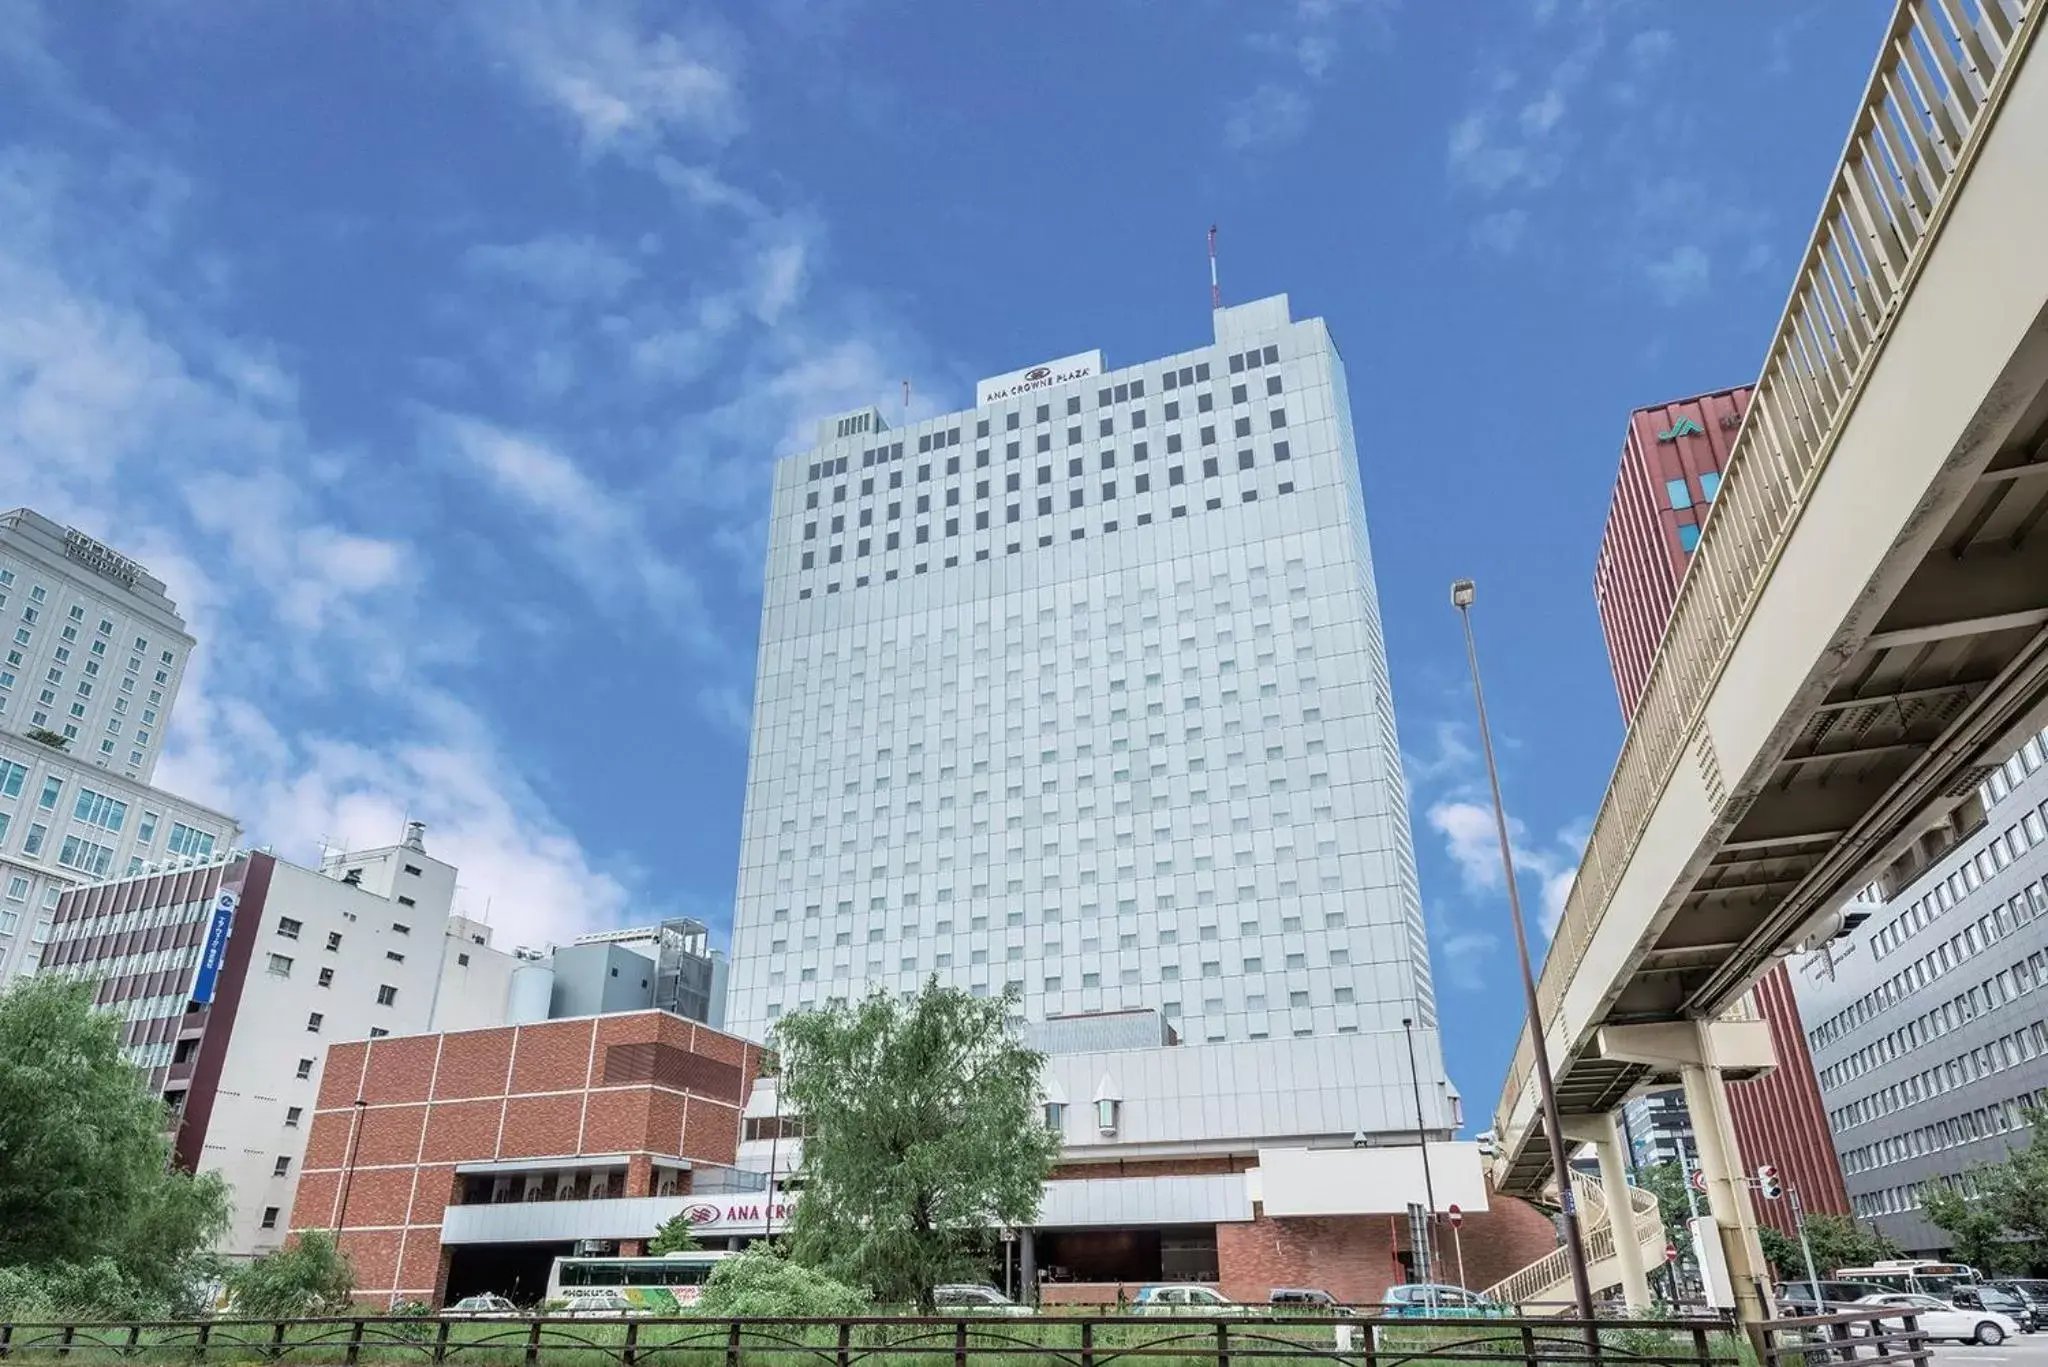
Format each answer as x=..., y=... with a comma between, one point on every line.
x=97, y=1290
x=309, y=1276
x=761, y=1284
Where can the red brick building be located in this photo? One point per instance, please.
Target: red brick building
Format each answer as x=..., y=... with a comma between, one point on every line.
x=1671, y=462
x=469, y=1161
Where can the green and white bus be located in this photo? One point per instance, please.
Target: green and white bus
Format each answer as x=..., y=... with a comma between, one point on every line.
x=666, y=1285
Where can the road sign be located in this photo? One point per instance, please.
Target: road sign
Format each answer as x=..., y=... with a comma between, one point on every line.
x=1454, y=1215
x=1670, y=1253
x=1699, y=1179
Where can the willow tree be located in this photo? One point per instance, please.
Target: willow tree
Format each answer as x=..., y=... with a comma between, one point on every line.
x=922, y=1133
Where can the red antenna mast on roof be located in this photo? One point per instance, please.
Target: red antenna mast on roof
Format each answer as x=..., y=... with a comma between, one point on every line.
x=1215, y=290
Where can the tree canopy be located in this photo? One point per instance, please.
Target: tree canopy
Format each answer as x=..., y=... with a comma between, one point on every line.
x=1837, y=1242
x=2004, y=1225
x=85, y=1172
x=674, y=1236
x=922, y=1136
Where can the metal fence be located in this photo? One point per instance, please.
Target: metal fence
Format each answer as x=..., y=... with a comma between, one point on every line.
x=977, y=1341
x=1866, y=1338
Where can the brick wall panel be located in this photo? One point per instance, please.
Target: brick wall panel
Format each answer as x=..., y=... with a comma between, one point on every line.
x=374, y=1255
x=419, y=1270
x=474, y=1063
x=618, y=1122
x=725, y=1048
x=664, y=1123
x=552, y=1057
x=432, y=1193
x=341, y=1073
x=462, y=1131
x=389, y=1134
x=327, y=1140
x=674, y=1031
x=313, y=1206
x=1353, y=1257
x=401, y=1069
x=711, y=1132
x=378, y=1196
x=541, y=1126
x=639, y=1027
x=1502, y=1240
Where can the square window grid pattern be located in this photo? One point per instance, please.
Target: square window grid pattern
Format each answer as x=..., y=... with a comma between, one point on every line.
x=1150, y=769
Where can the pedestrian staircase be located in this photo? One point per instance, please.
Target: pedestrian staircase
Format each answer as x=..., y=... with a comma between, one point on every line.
x=1545, y=1286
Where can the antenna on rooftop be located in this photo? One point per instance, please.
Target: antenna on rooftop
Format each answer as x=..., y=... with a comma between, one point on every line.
x=1215, y=290
x=906, y=401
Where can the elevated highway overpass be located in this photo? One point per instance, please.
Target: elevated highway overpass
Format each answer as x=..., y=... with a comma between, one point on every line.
x=1863, y=629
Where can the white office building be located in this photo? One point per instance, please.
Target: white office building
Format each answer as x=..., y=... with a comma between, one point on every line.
x=1082, y=693
x=233, y=975
x=90, y=663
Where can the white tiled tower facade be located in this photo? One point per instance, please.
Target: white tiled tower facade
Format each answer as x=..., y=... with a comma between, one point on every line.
x=1084, y=691
x=91, y=656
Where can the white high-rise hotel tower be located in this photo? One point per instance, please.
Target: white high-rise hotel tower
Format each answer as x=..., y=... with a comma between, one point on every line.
x=1084, y=692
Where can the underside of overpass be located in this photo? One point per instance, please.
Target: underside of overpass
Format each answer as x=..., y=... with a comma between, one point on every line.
x=1879, y=779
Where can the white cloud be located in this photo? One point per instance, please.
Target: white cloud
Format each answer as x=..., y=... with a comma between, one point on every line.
x=1541, y=115
x=624, y=86
x=1472, y=839
x=1270, y=114
x=1680, y=274
x=778, y=279
x=594, y=532
x=1650, y=47
x=123, y=411
x=1303, y=45
x=1502, y=230
x=568, y=269
x=1485, y=158
x=1463, y=954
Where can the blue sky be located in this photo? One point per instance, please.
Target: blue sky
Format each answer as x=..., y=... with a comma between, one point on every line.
x=437, y=354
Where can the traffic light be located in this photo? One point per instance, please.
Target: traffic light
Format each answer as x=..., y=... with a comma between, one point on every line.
x=1768, y=1182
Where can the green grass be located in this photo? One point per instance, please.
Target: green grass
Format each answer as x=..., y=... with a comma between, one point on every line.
x=1136, y=1342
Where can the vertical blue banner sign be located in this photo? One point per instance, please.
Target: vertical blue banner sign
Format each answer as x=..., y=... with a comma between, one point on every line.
x=216, y=947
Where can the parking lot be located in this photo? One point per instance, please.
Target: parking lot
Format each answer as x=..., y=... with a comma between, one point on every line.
x=2023, y=1350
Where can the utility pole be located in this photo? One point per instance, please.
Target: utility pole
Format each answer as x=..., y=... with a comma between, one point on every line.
x=1805, y=1244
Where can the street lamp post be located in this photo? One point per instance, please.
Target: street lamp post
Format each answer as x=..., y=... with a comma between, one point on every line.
x=348, y=1171
x=1428, y=1182
x=1575, y=1251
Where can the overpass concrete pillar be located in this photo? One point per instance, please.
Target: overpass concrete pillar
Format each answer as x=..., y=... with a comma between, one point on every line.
x=1698, y=1051
x=1604, y=1135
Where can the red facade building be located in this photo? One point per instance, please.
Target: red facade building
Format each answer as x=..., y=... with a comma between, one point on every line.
x=464, y=1162
x=1671, y=463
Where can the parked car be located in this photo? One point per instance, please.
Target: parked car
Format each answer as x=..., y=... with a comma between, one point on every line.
x=1819, y=1298
x=1942, y=1320
x=481, y=1307
x=1985, y=1296
x=2033, y=1291
x=1305, y=1299
x=975, y=1298
x=1185, y=1298
x=1438, y=1301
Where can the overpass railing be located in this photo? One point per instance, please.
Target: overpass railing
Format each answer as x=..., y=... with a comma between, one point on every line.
x=1937, y=83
